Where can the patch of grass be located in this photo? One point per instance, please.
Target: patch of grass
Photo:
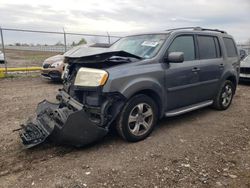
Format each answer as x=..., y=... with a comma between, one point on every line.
x=23, y=75
x=36, y=57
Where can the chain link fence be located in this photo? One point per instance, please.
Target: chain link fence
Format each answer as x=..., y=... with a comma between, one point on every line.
x=29, y=48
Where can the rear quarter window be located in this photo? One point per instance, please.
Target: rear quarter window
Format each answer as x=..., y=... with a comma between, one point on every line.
x=230, y=47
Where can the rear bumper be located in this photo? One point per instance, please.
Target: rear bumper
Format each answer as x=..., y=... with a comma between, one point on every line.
x=64, y=123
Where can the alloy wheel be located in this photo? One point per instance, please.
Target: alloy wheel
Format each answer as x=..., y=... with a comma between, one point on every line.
x=140, y=119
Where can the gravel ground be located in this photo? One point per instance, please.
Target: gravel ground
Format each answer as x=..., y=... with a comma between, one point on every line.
x=205, y=148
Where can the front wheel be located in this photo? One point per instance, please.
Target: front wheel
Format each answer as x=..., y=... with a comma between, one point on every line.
x=224, y=96
x=137, y=118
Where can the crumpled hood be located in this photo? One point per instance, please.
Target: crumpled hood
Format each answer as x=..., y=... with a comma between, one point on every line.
x=96, y=54
x=75, y=49
x=83, y=51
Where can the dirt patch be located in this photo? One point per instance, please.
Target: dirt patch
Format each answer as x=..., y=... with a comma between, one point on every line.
x=25, y=58
x=205, y=148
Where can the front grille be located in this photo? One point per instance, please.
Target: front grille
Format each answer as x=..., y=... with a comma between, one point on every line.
x=245, y=70
x=45, y=66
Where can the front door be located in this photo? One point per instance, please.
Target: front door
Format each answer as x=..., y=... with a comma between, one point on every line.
x=182, y=79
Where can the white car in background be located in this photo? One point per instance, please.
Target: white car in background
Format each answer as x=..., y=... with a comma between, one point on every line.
x=245, y=69
x=1, y=57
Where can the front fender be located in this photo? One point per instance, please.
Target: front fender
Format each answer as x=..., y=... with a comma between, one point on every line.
x=132, y=79
x=141, y=84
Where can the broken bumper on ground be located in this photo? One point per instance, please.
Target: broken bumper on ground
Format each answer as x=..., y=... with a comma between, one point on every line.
x=67, y=122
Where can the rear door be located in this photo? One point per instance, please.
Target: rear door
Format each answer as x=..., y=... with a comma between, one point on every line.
x=211, y=65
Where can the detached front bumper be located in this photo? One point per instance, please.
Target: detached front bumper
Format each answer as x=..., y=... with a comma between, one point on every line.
x=67, y=122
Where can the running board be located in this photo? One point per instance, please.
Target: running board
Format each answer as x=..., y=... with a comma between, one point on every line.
x=186, y=109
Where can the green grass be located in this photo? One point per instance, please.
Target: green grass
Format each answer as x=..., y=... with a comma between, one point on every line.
x=23, y=75
x=36, y=57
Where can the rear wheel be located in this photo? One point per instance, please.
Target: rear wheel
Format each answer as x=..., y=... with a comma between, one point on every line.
x=225, y=95
x=137, y=119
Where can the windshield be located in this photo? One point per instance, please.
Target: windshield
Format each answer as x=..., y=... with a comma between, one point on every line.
x=144, y=46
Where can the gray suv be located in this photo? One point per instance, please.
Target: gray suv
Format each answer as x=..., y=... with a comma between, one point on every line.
x=137, y=81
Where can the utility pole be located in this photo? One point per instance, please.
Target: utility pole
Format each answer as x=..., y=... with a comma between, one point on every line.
x=108, y=37
x=65, y=41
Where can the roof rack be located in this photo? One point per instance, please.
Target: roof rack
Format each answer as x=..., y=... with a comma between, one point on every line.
x=197, y=29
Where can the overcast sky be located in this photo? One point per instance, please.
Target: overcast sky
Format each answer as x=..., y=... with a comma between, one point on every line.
x=125, y=16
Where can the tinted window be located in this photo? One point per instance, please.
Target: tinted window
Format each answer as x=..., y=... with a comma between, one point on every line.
x=208, y=47
x=184, y=44
x=230, y=47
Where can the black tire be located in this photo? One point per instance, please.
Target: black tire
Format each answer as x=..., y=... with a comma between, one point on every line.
x=219, y=101
x=127, y=130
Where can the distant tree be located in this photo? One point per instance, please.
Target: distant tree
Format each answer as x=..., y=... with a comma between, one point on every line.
x=17, y=44
x=82, y=41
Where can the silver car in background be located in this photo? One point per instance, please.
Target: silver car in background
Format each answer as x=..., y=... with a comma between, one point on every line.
x=1, y=57
x=245, y=68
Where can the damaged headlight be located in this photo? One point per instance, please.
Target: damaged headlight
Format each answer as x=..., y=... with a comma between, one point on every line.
x=91, y=77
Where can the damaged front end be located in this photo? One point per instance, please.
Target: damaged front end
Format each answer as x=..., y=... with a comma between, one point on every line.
x=69, y=122
x=84, y=112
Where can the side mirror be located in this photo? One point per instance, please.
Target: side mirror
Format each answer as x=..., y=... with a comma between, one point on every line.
x=175, y=57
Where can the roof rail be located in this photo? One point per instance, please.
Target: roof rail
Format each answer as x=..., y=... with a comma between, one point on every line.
x=181, y=28
x=197, y=29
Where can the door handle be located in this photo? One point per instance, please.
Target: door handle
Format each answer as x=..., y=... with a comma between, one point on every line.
x=196, y=69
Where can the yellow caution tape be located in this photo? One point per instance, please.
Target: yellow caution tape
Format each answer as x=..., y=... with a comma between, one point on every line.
x=18, y=69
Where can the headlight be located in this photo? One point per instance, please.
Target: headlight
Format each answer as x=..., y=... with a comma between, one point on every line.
x=56, y=64
x=91, y=77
